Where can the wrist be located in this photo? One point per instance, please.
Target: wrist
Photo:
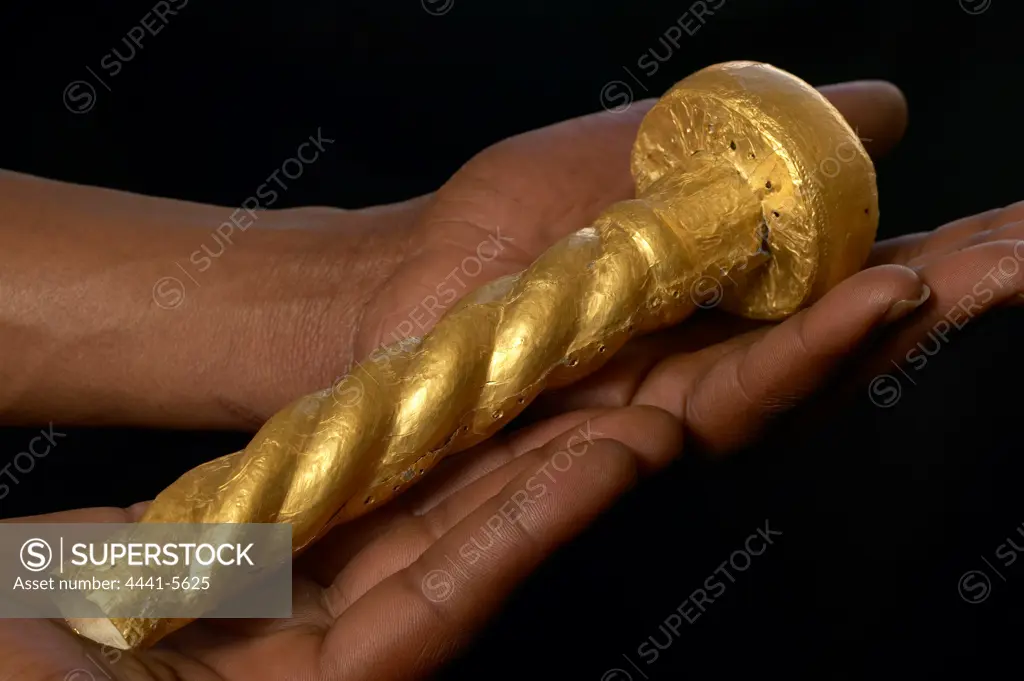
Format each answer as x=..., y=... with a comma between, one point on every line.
x=276, y=319
x=135, y=310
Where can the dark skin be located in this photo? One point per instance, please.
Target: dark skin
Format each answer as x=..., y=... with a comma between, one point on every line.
x=340, y=282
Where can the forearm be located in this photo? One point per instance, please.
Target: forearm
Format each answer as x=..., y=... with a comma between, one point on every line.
x=120, y=308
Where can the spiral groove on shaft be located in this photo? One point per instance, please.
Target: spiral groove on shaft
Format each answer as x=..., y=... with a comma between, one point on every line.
x=392, y=418
x=728, y=194
x=334, y=455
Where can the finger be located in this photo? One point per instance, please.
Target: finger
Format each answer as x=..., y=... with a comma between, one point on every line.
x=875, y=109
x=652, y=434
x=997, y=231
x=618, y=380
x=968, y=283
x=991, y=273
x=585, y=145
x=965, y=285
x=325, y=560
x=587, y=158
x=339, y=549
x=724, y=396
x=413, y=621
x=461, y=469
x=946, y=239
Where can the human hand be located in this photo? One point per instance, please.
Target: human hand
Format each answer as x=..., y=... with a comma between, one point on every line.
x=501, y=210
x=288, y=306
x=382, y=597
x=720, y=375
x=395, y=593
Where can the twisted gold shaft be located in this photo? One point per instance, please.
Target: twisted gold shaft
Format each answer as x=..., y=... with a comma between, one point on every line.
x=708, y=208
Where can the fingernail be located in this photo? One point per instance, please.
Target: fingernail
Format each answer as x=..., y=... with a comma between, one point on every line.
x=902, y=308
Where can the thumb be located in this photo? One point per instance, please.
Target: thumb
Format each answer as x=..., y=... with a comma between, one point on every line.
x=726, y=393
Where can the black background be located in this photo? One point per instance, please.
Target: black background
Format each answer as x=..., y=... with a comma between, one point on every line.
x=881, y=511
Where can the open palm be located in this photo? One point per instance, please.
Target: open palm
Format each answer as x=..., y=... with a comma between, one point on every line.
x=395, y=593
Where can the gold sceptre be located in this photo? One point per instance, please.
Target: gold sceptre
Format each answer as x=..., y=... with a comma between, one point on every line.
x=734, y=198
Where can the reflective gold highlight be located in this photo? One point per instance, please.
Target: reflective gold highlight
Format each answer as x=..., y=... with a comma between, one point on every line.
x=731, y=199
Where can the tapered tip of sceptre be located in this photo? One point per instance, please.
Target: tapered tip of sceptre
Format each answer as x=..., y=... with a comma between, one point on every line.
x=813, y=177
